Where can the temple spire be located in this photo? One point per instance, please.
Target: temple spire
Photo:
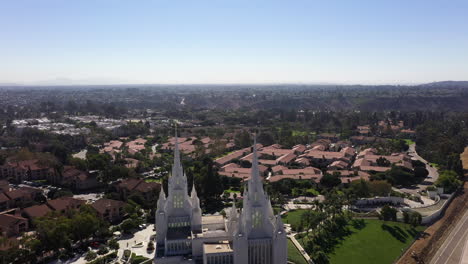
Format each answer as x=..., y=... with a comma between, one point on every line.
x=255, y=183
x=194, y=191
x=177, y=168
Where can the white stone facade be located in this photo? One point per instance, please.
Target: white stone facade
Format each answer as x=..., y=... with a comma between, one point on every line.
x=253, y=235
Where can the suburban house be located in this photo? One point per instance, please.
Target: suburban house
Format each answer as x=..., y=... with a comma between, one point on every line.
x=64, y=204
x=149, y=190
x=26, y=170
x=23, y=196
x=12, y=225
x=4, y=202
x=109, y=210
x=79, y=180
x=36, y=211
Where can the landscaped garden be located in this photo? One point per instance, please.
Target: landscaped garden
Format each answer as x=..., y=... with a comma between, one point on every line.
x=293, y=217
x=372, y=241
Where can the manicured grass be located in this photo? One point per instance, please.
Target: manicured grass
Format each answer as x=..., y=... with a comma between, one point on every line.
x=409, y=141
x=293, y=217
x=231, y=191
x=377, y=242
x=313, y=191
x=153, y=180
x=294, y=255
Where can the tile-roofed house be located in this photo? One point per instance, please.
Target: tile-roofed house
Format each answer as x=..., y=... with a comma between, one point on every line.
x=308, y=173
x=319, y=147
x=131, y=163
x=314, y=177
x=136, y=145
x=363, y=130
x=367, y=151
x=79, y=180
x=4, y=202
x=274, y=146
x=348, y=151
x=261, y=169
x=234, y=155
x=348, y=176
x=148, y=190
x=63, y=204
x=35, y=211
x=325, y=157
x=338, y=165
x=12, y=225
x=23, y=195
x=285, y=159
x=299, y=149
x=229, y=165
x=4, y=186
x=303, y=161
x=109, y=210
x=26, y=170
x=278, y=168
x=368, y=162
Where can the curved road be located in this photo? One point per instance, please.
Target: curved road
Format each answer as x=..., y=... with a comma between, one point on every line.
x=431, y=177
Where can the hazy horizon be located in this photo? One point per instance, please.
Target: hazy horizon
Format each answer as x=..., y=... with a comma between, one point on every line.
x=233, y=42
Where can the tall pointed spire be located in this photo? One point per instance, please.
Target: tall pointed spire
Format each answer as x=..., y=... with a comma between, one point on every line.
x=255, y=183
x=177, y=168
x=194, y=191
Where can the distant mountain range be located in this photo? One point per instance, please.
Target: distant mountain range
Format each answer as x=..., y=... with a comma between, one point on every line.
x=447, y=84
x=110, y=82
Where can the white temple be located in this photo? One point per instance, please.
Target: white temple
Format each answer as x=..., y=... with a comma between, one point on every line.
x=252, y=236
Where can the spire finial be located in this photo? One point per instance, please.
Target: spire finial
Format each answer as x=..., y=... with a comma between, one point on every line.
x=194, y=191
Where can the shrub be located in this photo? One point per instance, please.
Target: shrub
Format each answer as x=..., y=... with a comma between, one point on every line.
x=102, y=250
x=113, y=244
x=90, y=255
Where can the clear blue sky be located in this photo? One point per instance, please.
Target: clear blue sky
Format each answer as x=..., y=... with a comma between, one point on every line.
x=234, y=41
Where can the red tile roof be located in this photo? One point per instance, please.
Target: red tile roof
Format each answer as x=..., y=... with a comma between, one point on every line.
x=65, y=203
x=37, y=211
x=103, y=204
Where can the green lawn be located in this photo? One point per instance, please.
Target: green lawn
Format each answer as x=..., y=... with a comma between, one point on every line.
x=153, y=180
x=409, y=141
x=293, y=217
x=294, y=255
x=374, y=243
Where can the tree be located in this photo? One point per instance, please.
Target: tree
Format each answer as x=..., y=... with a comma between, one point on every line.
x=388, y=213
x=406, y=217
x=415, y=219
x=113, y=244
x=380, y=188
x=321, y=258
x=383, y=162
x=360, y=188
x=330, y=181
x=449, y=181
x=128, y=225
x=420, y=172
x=90, y=255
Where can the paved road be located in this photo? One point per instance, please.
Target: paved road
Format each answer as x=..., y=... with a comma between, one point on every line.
x=451, y=251
x=431, y=177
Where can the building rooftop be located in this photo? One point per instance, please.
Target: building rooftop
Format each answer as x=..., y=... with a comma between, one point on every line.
x=217, y=248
